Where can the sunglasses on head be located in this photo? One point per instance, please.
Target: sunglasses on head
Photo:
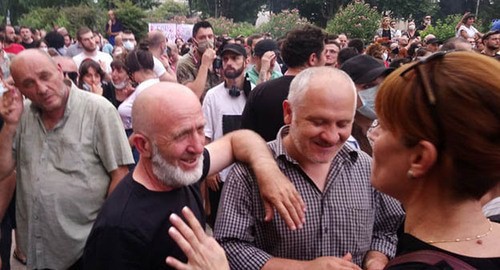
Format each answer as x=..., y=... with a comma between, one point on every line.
x=423, y=72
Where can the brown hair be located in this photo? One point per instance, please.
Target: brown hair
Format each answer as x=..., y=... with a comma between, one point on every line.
x=465, y=125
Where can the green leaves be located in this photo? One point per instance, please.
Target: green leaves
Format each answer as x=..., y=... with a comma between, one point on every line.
x=356, y=20
x=279, y=24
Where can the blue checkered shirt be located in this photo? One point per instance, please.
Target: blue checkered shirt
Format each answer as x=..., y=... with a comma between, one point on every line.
x=348, y=216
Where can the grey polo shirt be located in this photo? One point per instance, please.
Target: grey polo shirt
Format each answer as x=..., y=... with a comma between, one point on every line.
x=63, y=176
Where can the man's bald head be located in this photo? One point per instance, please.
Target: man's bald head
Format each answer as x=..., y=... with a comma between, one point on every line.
x=156, y=39
x=158, y=105
x=66, y=63
x=27, y=57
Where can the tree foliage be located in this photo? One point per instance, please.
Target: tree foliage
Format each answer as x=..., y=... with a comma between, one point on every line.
x=71, y=17
x=279, y=24
x=143, y=4
x=168, y=10
x=356, y=20
x=132, y=17
x=406, y=9
x=223, y=25
x=238, y=10
x=443, y=29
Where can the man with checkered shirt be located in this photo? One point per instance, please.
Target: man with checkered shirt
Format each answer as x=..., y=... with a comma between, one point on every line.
x=348, y=223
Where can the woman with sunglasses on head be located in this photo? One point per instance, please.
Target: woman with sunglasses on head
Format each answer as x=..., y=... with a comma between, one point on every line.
x=437, y=150
x=91, y=79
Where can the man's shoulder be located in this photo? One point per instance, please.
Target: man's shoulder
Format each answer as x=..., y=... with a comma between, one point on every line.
x=275, y=87
x=104, y=56
x=112, y=211
x=91, y=99
x=216, y=91
x=186, y=59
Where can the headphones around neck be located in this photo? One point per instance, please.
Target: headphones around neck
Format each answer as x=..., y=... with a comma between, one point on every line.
x=247, y=87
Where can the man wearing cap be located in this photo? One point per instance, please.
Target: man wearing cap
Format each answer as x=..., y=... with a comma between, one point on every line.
x=433, y=44
x=264, y=56
x=491, y=41
x=367, y=73
x=222, y=108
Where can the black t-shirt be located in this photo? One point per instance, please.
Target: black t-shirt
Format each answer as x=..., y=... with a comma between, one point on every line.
x=386, y=33
x=263, y=111
x=131, y=231
x=408, y=243
x=31, y=45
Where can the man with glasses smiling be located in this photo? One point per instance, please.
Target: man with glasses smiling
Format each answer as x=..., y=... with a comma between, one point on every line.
x=85, y=37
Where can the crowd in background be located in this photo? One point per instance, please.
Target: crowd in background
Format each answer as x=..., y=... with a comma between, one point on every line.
x=245, y=82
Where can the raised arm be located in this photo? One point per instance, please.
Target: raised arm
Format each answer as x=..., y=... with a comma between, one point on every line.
x=275, y=189
x=198, y=85
x=11, y=109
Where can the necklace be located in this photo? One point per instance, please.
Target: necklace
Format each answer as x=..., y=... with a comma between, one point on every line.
x=456, y=240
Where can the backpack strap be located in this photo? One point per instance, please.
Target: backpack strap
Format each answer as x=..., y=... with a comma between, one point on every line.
x=430, y=257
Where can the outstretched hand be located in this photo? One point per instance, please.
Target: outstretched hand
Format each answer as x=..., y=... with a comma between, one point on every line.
x=202, y=251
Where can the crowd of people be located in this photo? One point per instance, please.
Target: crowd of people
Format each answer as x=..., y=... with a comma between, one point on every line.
x=313, y=150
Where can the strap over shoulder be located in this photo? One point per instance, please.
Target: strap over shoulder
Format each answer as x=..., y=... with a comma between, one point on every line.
x=430, y=257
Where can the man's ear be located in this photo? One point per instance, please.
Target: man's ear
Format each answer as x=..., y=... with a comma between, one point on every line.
x=313, y=60
x=287, y=112
x=142, y=144
x=424, y=157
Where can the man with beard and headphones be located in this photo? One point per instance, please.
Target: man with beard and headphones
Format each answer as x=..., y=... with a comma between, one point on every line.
x=131, y=229
x=222, y=107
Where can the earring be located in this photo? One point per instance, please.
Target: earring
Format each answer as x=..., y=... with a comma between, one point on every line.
x=410, y=175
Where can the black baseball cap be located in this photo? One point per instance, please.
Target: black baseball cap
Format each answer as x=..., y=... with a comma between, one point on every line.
x=264, y=46
x=364, y=68
x=235, y=48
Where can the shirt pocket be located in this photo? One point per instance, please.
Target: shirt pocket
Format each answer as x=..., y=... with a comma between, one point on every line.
x=67, y=157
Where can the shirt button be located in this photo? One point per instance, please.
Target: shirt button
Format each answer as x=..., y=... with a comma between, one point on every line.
x=36, y=217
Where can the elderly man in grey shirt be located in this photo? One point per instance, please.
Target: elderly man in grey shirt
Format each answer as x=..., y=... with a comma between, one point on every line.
x=70, y=151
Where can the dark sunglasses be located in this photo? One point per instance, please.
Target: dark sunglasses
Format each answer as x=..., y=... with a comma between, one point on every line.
x=72, y=75
x=423, y=72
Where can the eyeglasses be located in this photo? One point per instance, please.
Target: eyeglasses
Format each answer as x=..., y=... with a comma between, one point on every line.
x=72, y=75
x=423, y=70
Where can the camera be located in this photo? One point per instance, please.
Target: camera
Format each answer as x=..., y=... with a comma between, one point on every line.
x=217, y=63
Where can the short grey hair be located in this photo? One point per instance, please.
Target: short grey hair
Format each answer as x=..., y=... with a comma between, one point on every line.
x=300, y=84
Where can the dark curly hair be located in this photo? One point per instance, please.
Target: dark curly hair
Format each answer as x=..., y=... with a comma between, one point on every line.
x=300, y=43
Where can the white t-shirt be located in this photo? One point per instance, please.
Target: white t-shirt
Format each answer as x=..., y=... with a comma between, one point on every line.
x=99, y=57
x=223, y=114
x=159, y=69
x=125, y=108
x=471, y=31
